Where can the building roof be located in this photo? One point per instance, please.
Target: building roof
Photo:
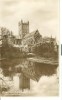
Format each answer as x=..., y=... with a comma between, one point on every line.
x=31, y=34
x=48, y=39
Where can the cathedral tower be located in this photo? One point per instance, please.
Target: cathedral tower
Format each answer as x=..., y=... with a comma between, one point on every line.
x=23, y=28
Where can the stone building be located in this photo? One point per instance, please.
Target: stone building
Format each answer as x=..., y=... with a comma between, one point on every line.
x=28, y=39
x=17, y=40
x=31, y=38
x=23, y=28
x=47, y=39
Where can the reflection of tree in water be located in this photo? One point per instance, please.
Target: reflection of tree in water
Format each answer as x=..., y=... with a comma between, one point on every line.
x=8, y=66
x=45, y=69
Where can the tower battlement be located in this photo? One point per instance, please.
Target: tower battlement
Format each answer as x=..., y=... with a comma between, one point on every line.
x=23, y=22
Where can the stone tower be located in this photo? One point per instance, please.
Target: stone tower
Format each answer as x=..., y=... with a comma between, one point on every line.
x=23, y=28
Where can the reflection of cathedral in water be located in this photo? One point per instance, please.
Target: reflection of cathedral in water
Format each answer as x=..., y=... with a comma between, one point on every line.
x=27, y=70
x=35, y=70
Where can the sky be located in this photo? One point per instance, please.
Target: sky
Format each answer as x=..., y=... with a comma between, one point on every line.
x=41, y=14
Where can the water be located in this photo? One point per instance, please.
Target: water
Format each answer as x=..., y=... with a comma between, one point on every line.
x=27, y=77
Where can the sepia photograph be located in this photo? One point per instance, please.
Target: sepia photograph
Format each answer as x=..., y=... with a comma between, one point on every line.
x=29, y=48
